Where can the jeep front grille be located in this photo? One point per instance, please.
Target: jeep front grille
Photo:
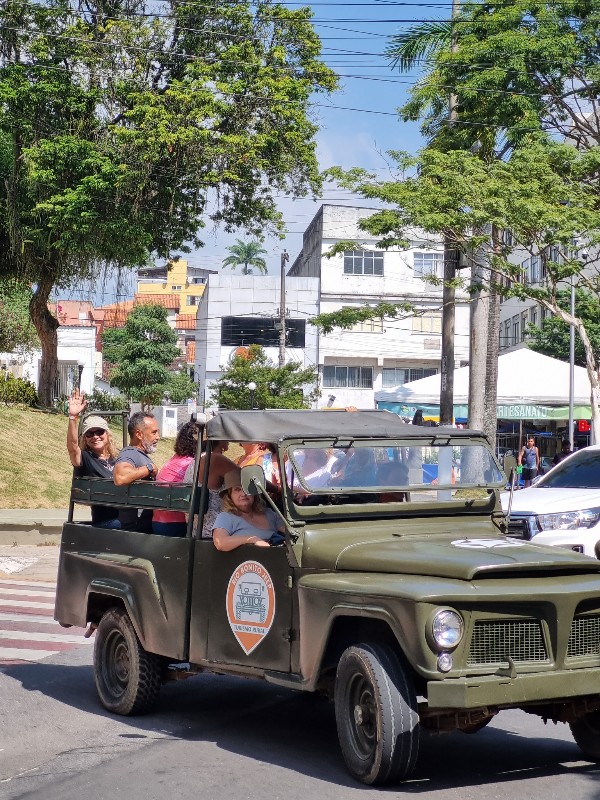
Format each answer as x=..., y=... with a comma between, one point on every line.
x=496, y=642
x=584, y=639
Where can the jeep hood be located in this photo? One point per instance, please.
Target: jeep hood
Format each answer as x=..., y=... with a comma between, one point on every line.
x=464, y=559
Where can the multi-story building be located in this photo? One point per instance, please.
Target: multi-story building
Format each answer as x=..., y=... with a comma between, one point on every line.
x=175, y=278
x=379, y=353
x=236, y=311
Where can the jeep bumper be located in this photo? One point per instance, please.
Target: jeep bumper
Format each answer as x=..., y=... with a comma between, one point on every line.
x=496, y=690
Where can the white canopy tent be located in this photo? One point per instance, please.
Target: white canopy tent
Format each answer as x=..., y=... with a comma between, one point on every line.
x=530, y=386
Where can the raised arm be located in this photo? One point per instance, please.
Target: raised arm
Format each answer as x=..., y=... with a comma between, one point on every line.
x=77, y=405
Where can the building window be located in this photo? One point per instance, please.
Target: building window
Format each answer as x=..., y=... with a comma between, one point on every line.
x=198, y=280
x=374, y=325
x=347, y=377
x=398, y=376
x=516, y=321
x=192, y=300
x=506, y=340
x=524, y=322
x=244, y=331
x=533, y=315
x=430, y=322
x=554, y=254
x=428, y=264
x=363, y=262
x=176, y=288
x=534, y=270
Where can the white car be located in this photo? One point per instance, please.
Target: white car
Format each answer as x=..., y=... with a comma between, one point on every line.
x=563, y=507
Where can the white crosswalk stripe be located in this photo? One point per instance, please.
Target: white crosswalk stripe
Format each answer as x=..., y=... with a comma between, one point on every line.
x=28, y=632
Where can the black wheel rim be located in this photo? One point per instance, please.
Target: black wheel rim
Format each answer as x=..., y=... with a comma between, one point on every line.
x=362, y=714
x=116, y=664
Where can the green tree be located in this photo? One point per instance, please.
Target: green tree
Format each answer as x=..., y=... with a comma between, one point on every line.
x=276, y=387
x=16, y=331
x=552, y=337
x=141, y=353
x=119, y=123
x=180, y=387
x=246, y=254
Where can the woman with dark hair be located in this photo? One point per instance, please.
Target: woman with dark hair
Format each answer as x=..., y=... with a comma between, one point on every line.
x=244, y=520
x=172, y=523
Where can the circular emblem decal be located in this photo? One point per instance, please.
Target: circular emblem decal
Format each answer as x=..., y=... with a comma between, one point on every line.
x=250, y=604
x=486, y=544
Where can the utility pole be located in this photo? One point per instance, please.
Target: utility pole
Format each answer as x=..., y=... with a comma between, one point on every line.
x=284, y=259
x=449, y=292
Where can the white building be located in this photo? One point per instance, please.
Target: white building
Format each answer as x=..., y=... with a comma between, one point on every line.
x=377, y=354
x=76, y=360
x=240, y=310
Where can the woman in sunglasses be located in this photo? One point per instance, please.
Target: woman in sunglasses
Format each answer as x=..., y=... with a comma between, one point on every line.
x=93, y=455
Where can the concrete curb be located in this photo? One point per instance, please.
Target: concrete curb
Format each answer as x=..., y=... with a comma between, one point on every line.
x=30, y=526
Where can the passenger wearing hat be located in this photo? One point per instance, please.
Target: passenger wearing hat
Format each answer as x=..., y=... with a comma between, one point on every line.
x=244, y=520
x=93, y=455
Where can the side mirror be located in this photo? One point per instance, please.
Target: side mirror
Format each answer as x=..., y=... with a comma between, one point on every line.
x=253, y=479
x=510, y=463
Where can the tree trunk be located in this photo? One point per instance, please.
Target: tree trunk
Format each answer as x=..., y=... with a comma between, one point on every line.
x=46, y=326
x=448, y=319
x=592, y=371
x=490, y=401
x=478, y=344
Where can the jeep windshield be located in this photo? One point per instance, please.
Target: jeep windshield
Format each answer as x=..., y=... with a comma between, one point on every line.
x=391, y=472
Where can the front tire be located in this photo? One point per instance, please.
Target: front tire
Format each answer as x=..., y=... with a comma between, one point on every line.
x=376, y=715
x=586, y=732
x=127, y=678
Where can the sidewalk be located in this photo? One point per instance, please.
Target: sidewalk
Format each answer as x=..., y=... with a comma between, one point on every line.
x=29, y=542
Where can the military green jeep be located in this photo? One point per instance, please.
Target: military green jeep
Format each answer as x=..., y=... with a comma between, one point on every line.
x=396, y=592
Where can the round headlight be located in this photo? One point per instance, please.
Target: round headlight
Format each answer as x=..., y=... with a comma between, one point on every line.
x=447, y=629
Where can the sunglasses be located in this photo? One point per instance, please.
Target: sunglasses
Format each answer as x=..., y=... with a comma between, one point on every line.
x=94, y=432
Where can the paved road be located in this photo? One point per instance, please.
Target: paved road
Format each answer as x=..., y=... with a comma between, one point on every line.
x=27, y=630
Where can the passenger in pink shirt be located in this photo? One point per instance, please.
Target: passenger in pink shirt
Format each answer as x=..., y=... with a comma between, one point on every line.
x=173, y=523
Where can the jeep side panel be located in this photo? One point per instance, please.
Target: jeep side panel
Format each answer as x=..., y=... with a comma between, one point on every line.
x=146, y=574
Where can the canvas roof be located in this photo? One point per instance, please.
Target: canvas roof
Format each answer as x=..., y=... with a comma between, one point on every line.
x=524, y=377
x=274, y=425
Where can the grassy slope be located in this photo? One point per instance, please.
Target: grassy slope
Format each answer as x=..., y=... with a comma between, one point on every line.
x=35, y=471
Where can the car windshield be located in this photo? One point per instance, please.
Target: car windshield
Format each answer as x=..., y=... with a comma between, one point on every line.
x=582, y=471
x=383, y=471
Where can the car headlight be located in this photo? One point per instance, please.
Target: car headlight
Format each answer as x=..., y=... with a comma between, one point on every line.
x=569, y=520
x=447, y=629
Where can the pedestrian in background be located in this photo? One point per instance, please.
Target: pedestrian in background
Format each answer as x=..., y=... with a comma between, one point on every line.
x=564, y=451
x=529, y=459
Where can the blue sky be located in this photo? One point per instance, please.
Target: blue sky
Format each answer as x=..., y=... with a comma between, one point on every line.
x=358, y=124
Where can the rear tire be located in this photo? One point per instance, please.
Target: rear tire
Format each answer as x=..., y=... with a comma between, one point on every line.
x=128, y=678
x=586, y=732
x=376, y=715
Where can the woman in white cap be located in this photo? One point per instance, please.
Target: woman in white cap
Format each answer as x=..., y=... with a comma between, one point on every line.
x=244, y=520
x=93, y=455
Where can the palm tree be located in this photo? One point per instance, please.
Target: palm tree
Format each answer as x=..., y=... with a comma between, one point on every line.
x=246, y=254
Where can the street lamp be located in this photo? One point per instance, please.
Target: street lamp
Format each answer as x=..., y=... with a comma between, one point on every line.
x=252, y=389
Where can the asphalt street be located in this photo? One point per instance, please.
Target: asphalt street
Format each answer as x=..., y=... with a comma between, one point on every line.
x=218, y=737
